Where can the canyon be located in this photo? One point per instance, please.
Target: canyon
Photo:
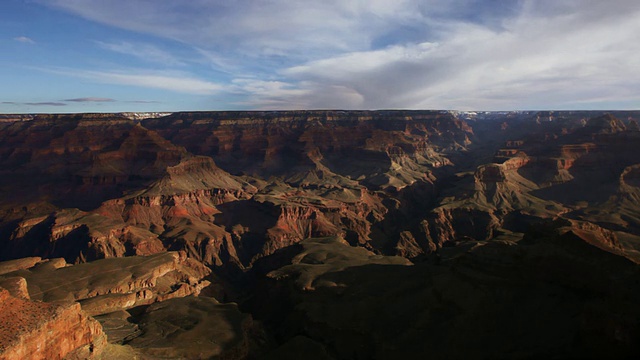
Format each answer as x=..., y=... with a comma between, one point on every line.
x=320, y=234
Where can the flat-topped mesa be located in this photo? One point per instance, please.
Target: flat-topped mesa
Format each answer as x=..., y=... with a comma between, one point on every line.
x=81, y=119
x=574, y=151
x=300, y=120
x=383, y=120
x=196, y=174
x=496, y=172
x=16, y=117
x=79, y=116
x=144, y=115
x=490, y=173
x=307, y=115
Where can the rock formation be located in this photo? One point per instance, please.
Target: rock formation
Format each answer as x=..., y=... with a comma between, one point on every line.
x=37, y=330
x=133, y=215
x=107, y=285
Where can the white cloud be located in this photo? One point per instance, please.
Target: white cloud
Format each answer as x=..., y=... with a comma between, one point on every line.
x=24, y=39
x=291, y=28
x=462, y=54
x=146, y=52
x=277, y=95
x=269, y=95
x=158, y=81
x=537, y=61
x=167, y=80
x=218, y=62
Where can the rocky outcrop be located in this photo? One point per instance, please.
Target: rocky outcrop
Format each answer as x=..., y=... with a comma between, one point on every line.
x=108, y=285
x=302, y=216
x=607, y=124
x=38, y=330
x=16, y=286
x=451, y=224
x=18, y=264
x=57, y=322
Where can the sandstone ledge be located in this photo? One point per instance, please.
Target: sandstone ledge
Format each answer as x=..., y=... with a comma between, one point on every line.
x=37, y=330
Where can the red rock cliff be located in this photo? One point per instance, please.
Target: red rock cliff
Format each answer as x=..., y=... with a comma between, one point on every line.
x=37, y=330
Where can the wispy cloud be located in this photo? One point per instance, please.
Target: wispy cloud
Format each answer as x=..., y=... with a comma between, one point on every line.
x=143, y=102
x=165, y=80
x=219, y=62
x=90, y=99
x=462, y=54
x=45, y=104
x=282, y=28
x=24, y=39
x=184, y=84
x=146, y=52
x=269, y=94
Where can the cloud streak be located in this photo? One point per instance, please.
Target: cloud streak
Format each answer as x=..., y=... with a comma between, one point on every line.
x=45, y=104
x=24, y=39
x=90, y=99
x=146, y=52
x=291, y=28
x=143, y=102
x=164, y=80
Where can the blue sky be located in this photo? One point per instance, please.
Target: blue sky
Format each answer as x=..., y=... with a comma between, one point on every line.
x=171, y=55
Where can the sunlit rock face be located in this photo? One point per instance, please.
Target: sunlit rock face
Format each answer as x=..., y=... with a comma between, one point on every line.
x=37, y=330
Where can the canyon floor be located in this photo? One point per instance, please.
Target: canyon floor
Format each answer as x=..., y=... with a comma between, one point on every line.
x=320, y=235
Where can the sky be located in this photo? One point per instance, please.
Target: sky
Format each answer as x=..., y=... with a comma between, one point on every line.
x=62, y=56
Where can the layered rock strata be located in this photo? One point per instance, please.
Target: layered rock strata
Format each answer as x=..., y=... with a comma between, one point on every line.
x=109, y=285
x=38, y=330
